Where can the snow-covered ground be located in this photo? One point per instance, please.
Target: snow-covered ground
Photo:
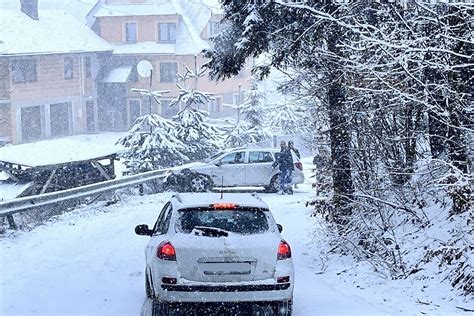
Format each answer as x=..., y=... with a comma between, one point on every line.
x=90, y=262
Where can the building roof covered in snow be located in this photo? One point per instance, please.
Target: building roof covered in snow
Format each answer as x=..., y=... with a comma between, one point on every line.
x=136, y=9
x=194, y=16
x=55, y=32
x=77, y=8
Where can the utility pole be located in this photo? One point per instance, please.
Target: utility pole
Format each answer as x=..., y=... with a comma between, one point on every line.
x=238, y=105
x=149, y=98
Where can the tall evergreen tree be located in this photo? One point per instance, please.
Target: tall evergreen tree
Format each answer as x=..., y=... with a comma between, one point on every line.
x=307, y=37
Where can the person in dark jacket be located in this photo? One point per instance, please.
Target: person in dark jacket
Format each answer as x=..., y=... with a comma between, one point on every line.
x=292, y=148
x=284, y=160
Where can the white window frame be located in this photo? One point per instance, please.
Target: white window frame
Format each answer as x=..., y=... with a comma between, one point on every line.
x=211, y=104
x=124, y=28
x=158, y=35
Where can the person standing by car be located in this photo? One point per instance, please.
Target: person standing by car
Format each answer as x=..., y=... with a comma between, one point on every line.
x=285, y=164
x=292, y=148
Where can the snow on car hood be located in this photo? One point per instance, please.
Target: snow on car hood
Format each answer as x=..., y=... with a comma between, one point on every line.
x=191, y=166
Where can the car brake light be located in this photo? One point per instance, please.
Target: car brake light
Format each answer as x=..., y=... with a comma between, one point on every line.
x=284, y=251
x=283, y=279
x=222, y=206
x=166, y=251
x=299, y=165
x=167, y=280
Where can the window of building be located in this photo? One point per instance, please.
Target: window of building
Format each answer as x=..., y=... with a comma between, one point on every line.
x=24, y=70
x=215, y=105
x=167, y=32
x=60, y=117
x=87, y=67
x=131, y=32
x=237, y=98
x=90, y=116
x=213, y=28
x=31, y=123
x=168, y=71
x=68, y=68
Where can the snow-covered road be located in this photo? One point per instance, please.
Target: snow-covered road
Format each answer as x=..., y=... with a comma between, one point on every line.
x=90, y=262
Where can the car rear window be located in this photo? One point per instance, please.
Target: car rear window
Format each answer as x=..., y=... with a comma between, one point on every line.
x=245, y=221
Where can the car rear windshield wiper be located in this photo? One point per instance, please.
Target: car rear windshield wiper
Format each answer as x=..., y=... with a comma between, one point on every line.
x=210, y=231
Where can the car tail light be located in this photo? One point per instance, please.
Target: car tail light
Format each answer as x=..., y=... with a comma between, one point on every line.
x=167, y=280
x=166, y=251
x=284, y=250
x=299, y=165
x=224, y=206
x=283, y=279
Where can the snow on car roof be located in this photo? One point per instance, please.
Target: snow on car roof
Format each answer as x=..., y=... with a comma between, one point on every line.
x=54, y=151
x=187, y=200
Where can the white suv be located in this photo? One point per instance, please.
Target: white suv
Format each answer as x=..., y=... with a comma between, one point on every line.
x=232, y=168
x=211, y=252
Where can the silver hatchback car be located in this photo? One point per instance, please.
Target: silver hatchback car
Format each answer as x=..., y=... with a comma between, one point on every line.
x=237, y=167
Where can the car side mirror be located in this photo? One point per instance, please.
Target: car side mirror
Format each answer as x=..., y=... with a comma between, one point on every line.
x=218, y=164
x=280, y=228
x=143, y=230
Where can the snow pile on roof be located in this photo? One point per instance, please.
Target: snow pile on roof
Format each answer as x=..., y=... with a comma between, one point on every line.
x=77, y=8
x=136, y=9
x=119, y=74
x=55, y=32
x=194, y=16
x=55, y=151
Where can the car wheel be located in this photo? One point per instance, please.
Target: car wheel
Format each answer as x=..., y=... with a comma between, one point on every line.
x=200, y=183
x=273, y=186
x=263, y=311
x=165, y=309
x=148, y=289
x=284, y=308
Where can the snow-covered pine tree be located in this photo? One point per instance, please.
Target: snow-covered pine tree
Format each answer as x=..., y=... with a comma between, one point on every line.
x=157, y=149
x=252, y=114
x=289, y=118
x=200, y=139
x=253, y=110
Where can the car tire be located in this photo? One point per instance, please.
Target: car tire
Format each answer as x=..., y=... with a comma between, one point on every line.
x=148, y=289
x=273, y=186
x=165, y=309
x=284, y=308
x=200, y=183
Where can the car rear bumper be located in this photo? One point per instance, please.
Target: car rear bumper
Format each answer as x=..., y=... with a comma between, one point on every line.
x=226, y=293
x=231, y=288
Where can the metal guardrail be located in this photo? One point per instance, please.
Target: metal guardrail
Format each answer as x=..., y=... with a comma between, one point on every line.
x=18, y=205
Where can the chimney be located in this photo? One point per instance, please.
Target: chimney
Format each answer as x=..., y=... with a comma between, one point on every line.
x=30, y=8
